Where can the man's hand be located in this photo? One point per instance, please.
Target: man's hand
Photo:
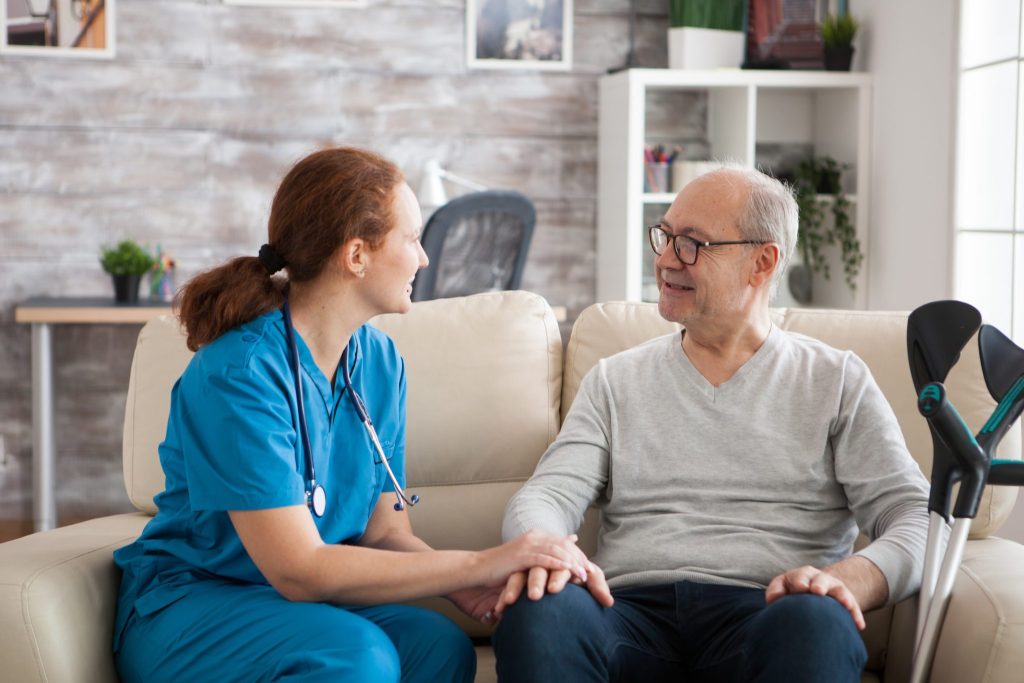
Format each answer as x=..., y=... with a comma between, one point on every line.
x=539, y=581
x=809, y=579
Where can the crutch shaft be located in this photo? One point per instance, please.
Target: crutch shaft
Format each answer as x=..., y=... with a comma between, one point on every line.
x=937, y=608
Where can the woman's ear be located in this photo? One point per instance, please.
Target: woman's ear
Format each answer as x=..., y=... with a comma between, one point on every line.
x=354, y=257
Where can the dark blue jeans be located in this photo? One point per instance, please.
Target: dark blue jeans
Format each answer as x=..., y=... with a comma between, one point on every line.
x=678, y=632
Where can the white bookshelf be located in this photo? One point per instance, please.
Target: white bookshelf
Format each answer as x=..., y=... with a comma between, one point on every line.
x=828, y=111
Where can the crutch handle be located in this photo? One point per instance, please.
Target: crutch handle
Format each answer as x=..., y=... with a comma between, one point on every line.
x=956, y=435
x=1006, y=473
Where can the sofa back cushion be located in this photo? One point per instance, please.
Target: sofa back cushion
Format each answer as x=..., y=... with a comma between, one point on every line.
x=160, y=358
x=879, y=338
x=485, y=379
x=484, y=383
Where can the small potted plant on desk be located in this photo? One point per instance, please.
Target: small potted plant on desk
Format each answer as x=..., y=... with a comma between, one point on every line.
x=837, y=34
x=126, y=263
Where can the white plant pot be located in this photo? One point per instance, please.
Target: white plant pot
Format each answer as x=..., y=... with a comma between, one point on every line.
x=704, y=48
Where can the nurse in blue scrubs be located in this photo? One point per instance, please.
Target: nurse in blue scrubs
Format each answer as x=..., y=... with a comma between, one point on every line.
x=255, y=568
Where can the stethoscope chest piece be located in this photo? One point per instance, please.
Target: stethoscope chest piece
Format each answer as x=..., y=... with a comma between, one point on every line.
x=317, y=500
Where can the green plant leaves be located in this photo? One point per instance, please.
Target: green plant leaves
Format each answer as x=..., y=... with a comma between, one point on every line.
x=726, y=15
x=127, y=258
x=813, y=177
x=838, y=31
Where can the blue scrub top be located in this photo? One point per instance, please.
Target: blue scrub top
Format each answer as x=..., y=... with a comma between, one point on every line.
x=233, y=443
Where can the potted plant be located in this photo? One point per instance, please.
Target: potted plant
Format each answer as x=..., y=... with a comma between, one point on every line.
x=126, y=263
x=706, y=34
x=837, y=34
x=813, y=178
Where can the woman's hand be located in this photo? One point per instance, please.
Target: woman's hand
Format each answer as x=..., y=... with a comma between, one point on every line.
x=532, y=549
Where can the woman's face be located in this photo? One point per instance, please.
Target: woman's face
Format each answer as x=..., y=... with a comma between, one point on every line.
x=393, y=266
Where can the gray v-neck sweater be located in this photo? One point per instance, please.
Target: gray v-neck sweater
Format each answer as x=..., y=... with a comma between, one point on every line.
x=774, y=469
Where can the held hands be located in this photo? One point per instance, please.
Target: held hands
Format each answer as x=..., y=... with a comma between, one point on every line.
x=809, y=579
x=540, y=580
x=532, y=549
x=551, y=560
x=495, y=565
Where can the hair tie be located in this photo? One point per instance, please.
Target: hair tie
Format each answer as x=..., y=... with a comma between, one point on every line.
x=270, y=259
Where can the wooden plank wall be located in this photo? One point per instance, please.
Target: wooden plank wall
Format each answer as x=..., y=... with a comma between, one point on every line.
x=182, y=138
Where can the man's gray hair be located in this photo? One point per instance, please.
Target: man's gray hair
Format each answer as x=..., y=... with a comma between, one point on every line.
x=770, y=214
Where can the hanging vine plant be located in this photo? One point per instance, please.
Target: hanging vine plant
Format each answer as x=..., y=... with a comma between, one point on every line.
x=823, y=176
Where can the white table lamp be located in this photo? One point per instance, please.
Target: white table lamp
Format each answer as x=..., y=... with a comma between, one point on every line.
x=432, y=194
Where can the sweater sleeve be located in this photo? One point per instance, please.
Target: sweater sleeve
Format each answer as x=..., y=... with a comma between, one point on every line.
x=886, y=490
x=573, y=471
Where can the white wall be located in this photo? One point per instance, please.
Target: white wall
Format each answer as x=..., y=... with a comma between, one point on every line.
x=910, y=47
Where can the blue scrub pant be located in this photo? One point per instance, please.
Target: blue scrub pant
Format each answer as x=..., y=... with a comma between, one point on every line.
x=684, y=631
x=251, y=633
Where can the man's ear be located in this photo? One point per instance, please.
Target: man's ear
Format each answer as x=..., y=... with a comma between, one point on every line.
x=765, y=263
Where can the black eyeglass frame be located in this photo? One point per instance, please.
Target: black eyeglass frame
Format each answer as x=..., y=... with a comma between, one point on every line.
x=697, y=244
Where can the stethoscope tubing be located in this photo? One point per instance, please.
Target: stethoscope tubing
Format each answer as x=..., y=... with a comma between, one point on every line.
x=315, y=494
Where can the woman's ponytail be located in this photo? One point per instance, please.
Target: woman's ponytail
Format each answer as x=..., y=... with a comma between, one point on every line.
x=225, y=297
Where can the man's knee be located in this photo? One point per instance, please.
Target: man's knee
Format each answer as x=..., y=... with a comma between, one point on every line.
x=560, y=638
x=563, y=610
x=805, y=624
x=809, y=630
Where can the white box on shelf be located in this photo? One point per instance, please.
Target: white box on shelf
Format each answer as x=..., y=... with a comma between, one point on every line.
x=704, y=48
x=685, y=171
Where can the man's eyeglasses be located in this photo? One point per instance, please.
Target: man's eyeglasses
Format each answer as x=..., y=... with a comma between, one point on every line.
x=685, y=247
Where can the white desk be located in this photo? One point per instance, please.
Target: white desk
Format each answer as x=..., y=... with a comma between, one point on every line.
x=41, y=313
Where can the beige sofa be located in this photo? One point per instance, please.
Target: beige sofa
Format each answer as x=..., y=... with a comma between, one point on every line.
x=488, y=384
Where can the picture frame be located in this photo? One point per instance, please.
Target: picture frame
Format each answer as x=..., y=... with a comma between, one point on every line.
x=519, y=34
x=58, y=28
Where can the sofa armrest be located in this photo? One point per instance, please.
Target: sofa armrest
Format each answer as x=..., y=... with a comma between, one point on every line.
x=982, y=637
x=58, y=594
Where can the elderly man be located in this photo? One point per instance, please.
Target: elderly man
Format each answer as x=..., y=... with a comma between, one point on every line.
x=733, y=464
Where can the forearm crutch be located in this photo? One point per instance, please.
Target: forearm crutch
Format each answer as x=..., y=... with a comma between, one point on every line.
x=972, y=464
x=936, y=334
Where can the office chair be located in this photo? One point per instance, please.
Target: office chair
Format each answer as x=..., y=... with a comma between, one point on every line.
x=476, y=243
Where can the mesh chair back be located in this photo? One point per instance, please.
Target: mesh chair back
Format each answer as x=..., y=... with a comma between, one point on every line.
x=476, y=243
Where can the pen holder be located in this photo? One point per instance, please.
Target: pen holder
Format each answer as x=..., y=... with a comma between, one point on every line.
x=656, y=176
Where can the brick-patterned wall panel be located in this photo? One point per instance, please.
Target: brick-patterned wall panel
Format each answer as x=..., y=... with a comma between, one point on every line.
x=182, y=137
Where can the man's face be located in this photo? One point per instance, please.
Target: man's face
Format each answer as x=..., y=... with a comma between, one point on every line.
x=717, y=285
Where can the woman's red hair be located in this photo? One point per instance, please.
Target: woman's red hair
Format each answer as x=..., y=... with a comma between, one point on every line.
x=327, y=199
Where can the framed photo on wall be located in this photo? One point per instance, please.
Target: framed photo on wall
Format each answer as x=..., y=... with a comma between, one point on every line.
x=519, y=34
x=785, y=35
x=58, y=28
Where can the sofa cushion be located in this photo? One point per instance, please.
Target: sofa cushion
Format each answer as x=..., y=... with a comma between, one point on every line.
x=879, y=338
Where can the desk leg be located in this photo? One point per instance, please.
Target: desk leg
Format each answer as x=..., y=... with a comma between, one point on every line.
x=44, y=506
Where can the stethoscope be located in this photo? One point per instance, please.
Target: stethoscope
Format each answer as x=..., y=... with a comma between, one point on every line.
x=316, y=497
